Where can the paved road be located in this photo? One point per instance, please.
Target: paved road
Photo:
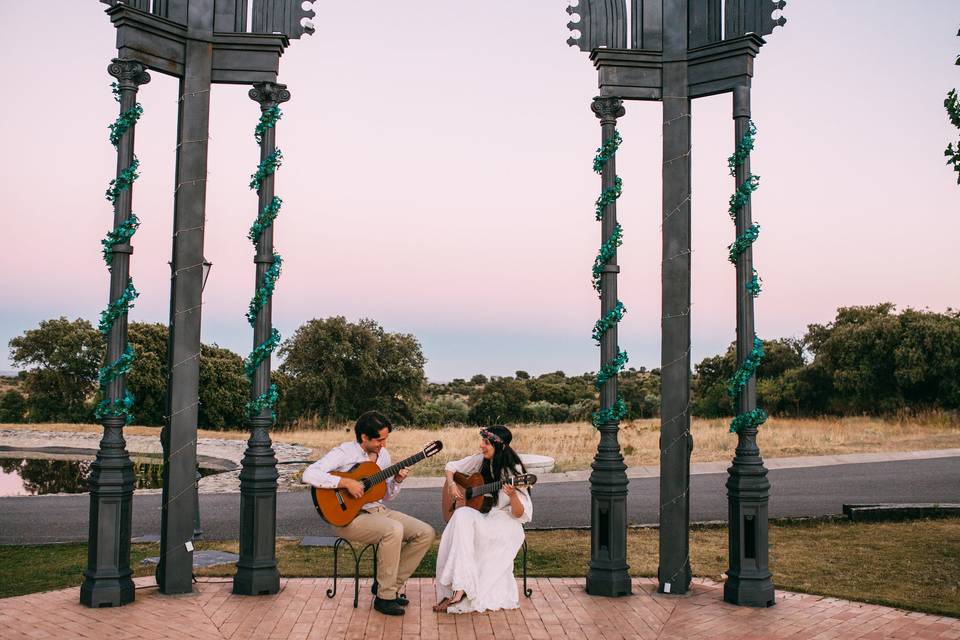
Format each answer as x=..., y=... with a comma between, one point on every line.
x=811, y=491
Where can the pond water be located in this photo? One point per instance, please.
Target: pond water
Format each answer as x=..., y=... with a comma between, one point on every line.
x=34, y=476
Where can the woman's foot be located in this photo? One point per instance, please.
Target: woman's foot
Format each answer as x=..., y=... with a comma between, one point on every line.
x=444, y=604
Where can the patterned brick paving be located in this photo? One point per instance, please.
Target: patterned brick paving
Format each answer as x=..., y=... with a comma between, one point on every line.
x=559, y=609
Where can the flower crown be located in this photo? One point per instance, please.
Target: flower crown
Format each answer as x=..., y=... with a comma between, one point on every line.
x=491, y=436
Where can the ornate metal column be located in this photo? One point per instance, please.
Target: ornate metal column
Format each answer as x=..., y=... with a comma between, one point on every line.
x=675, y=442
x=257, y=568
x=748, y=490
x=179, y=436
x=107, y=579
x=608, y=575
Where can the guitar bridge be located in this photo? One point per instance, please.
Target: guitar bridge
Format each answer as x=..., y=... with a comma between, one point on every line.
x=343, y=505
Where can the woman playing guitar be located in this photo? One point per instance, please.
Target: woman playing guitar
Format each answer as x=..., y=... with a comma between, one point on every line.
x=475, y=559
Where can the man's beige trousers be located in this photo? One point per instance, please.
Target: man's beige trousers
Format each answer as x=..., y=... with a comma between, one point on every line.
x=403, y=541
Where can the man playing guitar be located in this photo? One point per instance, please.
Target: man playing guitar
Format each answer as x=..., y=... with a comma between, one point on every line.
x=403, y=539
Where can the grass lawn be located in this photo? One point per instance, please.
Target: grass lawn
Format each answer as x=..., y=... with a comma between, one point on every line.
x=912, y=565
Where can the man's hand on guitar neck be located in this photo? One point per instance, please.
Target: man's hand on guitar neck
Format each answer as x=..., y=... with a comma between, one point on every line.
x=353, y=487
x=401, y=475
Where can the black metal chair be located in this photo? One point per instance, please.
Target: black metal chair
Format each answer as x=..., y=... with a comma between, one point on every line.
x=357, y=557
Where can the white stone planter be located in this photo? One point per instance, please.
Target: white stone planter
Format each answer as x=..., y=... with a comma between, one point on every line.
x=536, y=463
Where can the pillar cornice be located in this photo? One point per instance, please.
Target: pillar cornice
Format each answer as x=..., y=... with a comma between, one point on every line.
x=269, y=94
x=130, y=74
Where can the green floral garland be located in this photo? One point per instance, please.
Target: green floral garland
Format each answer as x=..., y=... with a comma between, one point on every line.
x=744, y=241
x=264, y=220
x=123, y=181
x=267, y=120
x=953, y=110
x=118, y=307
x=119, y=235
x=261, y=353
x=609, y=195
x=123, y=122
x=603, y=324
x=608, y=250
x=269, y=165
x=263, y=294
x=122, y=233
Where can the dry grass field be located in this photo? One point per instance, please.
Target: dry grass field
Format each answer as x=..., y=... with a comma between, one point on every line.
x=572, y=445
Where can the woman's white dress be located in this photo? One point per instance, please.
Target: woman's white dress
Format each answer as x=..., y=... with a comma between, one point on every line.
x=477, y=551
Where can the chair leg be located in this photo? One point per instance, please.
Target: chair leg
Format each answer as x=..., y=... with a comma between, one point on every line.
x=356, y=578
x=356, y=582
x=332, y=592
x=376, y=550
x=526, y=591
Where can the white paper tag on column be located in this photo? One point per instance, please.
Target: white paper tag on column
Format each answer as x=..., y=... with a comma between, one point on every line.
x=666, y=585
x=189, y=545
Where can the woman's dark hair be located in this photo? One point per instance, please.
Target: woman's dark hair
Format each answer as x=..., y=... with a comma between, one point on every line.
x=505, y=461
x=370, y=424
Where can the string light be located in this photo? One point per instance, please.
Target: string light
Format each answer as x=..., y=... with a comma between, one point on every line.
x=192, y=182
x=674, y=210
x=191, y=94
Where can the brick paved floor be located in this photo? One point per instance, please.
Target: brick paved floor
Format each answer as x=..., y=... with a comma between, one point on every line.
x=558, y=609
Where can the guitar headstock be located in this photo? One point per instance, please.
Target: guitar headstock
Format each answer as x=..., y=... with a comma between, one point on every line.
x=433, y=448
x=523, y=480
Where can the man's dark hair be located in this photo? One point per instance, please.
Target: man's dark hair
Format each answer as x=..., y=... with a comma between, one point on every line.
x=370, y=424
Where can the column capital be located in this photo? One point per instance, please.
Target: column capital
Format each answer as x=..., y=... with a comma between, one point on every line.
x=269, y=94
x=607, y=109
x=130, y=73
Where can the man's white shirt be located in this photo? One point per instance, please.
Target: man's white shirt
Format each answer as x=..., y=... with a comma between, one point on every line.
x=344, y=458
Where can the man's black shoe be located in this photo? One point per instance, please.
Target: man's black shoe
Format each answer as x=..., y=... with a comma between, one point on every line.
x=388, y=607
x=401, y=598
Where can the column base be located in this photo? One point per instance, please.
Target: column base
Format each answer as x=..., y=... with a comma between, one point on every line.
x=106, y=592
x=609, y=582
x=256, y=581
x=680, y=585
x=749, y=591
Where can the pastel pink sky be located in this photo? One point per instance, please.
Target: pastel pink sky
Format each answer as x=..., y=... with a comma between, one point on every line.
x=437, y=179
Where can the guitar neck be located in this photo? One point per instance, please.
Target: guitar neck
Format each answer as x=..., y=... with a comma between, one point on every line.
x=489, y=487
x=392, y=470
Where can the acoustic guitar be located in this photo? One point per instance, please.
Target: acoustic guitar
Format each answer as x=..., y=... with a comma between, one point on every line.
x=477, y=493
x=339, y=508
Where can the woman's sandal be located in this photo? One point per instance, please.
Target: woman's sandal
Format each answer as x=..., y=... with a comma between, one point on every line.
x=443, y=605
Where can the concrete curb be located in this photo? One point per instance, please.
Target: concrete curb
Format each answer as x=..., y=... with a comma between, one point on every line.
x=702, y=468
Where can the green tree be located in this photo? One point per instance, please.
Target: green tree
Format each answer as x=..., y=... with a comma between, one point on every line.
x=878, y=361
x=500, y=400
x=442, y=411
x=339, y=369
x=147, y=380
x=641, y=392
x=13, y=406
x=711, y=376
x=224, y=389
x=64, y=358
